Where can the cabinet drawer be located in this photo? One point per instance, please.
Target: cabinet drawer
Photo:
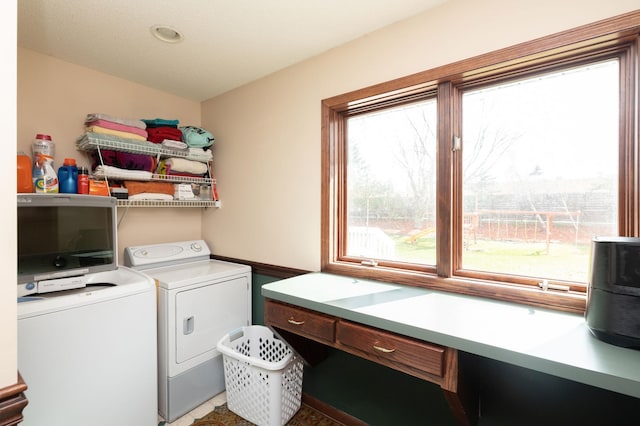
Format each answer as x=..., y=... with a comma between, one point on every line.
x=300, y=321
x=391, y=349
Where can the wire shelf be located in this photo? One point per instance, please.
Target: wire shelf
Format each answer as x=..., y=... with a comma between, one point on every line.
x=172, y=203
x=114, y=175
x=94, y=141
x=97, y=141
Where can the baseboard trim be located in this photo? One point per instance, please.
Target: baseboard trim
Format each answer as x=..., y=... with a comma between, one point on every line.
x=12, y=402
x=274, y=271
x=331, y=411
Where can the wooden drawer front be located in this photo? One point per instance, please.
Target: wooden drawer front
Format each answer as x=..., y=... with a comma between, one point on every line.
x=300, y=321
x=379, y=345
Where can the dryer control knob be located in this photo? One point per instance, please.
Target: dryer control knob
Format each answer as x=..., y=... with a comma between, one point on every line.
x=196, y=247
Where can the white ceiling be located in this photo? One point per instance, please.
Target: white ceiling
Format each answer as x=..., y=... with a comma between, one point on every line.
x=227, y=43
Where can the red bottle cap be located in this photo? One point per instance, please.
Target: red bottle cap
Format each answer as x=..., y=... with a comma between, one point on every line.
x=69, y=162
x=43, y=137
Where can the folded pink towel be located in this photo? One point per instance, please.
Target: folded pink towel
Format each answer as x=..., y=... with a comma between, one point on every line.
x=106, y=124
x=126, y=121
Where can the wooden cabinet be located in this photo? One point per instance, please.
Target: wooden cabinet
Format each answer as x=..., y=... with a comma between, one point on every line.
x=427, y=361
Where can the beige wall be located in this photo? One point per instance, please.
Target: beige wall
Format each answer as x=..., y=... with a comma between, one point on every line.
x=55, y=96
x=268, y=132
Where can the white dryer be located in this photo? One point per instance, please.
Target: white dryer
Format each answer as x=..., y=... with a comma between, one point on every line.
x=199, y=301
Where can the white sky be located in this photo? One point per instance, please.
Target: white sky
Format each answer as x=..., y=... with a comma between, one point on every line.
x=563, y=139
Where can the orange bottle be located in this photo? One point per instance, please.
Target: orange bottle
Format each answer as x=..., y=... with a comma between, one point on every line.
x=25, y=182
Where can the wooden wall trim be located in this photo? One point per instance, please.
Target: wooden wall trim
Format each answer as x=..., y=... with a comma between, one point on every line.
x=12, y=402
x=331, y=411
x=274, y=271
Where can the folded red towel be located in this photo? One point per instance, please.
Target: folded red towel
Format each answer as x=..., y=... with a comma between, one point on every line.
x=159, y=134
x=124, y=160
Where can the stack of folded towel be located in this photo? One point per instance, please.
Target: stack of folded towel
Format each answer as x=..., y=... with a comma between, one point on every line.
x=159, y=130
x=116, y=126
x=138, y=170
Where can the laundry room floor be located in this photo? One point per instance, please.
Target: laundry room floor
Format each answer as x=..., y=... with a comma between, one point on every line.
x=197, y=412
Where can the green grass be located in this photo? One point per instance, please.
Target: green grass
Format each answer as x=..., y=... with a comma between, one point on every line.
x=564, y=261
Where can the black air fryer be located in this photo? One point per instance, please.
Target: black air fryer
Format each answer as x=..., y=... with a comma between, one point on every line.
x=613, y=296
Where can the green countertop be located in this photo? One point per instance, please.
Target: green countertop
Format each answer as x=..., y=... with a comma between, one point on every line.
x=549, y=341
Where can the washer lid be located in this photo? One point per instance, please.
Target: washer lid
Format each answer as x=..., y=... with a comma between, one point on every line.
x=175, y=276
x=101, y=287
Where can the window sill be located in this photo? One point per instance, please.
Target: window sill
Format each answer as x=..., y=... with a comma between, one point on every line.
x=544, y=340
x=523, y=294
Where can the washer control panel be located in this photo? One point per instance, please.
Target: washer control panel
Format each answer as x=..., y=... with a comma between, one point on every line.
x=166, y=253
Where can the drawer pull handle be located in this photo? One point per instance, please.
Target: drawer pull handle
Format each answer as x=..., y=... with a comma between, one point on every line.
x=384, y=350
x=294, y=322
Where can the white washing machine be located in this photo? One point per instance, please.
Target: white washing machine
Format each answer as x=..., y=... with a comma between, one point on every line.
x=199, y=301
x=87, y=328
x=87, y=355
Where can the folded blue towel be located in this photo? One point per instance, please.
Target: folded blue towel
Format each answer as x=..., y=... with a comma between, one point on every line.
x=158, y=122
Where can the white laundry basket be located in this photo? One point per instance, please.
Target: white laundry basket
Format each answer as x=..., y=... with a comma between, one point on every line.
x=263, y=376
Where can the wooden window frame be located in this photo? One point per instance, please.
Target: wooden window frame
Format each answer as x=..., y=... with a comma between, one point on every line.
x=615, y=37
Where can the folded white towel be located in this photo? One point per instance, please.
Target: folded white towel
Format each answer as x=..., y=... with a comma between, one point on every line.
x=169, y=144
x=118, y=173
x=186, y=166
x=200, y=154
x=151, y=196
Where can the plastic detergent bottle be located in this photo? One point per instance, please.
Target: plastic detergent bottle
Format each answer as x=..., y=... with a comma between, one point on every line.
x=68, y=176
x=43, y=172
x=24, y=179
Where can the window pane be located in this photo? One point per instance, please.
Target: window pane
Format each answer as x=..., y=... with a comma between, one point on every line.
x=392, y=184
x=540, y=172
